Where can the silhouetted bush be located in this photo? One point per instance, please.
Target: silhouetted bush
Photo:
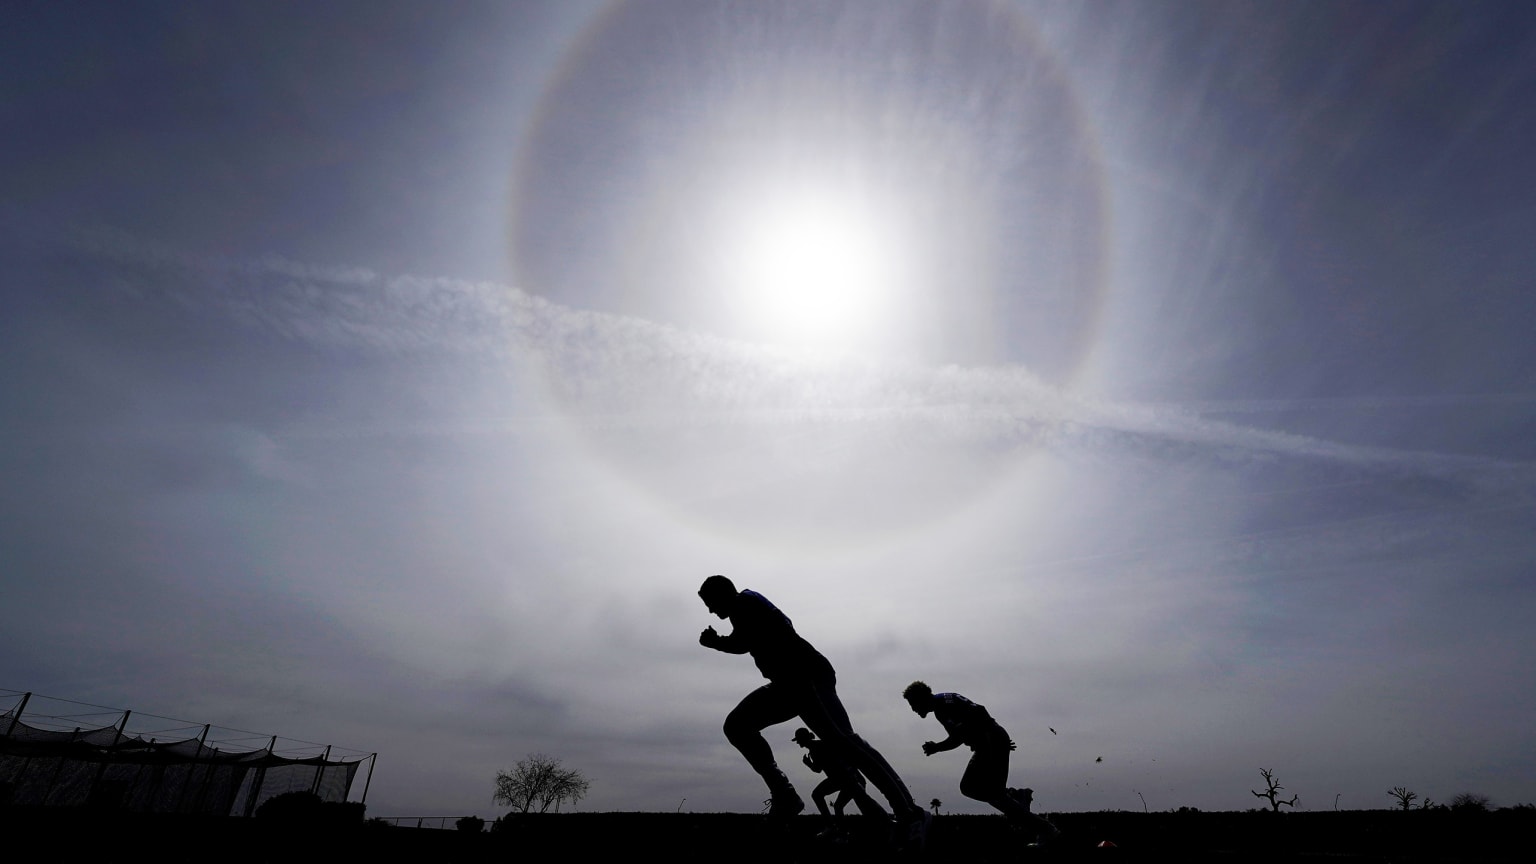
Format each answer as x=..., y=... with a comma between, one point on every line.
x=291, y=807
x=471, y=824
x=343, y=811
x=1470, y=802
x=306, y=808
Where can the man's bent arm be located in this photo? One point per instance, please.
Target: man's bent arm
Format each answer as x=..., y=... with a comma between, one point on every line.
x=729, y=644
x=931, y=747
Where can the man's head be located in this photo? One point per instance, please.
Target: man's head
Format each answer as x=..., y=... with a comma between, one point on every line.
x=920, y=697
x=719, y=594
x=804, y=737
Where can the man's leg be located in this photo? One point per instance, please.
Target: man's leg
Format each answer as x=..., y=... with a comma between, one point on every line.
x=820, y=793
x=766, y=706
x=853, y=789
x=986, y=779
x=824, y=713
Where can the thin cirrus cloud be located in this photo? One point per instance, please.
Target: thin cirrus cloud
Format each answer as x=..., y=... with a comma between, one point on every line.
x=614, y=372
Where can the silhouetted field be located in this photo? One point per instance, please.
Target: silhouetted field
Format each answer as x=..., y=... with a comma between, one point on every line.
x=1344, y=836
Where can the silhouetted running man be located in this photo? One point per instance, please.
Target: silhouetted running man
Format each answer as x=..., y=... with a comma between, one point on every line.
x=801, y=683
x=986, y=776
x=841, y=778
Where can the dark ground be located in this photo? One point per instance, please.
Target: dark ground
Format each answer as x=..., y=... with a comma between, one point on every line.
x=1335, y=837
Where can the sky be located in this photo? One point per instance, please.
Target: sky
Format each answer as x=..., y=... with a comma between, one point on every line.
x=389, y=375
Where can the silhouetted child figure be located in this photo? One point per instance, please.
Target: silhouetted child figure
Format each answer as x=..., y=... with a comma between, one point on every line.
x=986, y=775
x=841, y=778
x=801, y=683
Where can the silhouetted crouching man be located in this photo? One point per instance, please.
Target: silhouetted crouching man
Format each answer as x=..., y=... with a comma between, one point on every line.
x=801, y=683
x=841, y=779
x=986, y=775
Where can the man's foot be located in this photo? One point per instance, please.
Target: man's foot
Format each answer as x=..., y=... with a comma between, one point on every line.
x=1025, y=797
x=785, y=804
x=912, y=831
x=1046, y=833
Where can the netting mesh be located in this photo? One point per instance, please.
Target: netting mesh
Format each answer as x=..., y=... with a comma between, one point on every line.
x=102, y=766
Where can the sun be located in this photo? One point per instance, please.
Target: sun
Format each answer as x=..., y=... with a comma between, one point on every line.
x=812, y=265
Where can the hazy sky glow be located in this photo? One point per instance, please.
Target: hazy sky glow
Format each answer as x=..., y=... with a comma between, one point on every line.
x=391, y=375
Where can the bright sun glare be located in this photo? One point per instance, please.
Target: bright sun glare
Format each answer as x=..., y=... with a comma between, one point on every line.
x=813, y=266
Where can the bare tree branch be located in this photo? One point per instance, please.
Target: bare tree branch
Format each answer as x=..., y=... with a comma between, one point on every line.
x=1273, y=792
x=539, y=780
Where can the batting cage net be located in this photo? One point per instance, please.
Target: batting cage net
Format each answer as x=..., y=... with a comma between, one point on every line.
x=73, y=759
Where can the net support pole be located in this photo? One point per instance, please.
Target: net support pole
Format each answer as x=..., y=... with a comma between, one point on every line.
x=156, y=775
x=258, y=779
x=138, y=775
x=26, y=761
x=16, y=715
x=64, y=757
x=197, y=758
x=101, y=768
x=372, y=758
x=325, y=758
x=200, y=801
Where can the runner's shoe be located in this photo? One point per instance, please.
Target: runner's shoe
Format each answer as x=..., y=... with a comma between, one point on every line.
x=1025, y=797
x=912, y=832
x=786, y=804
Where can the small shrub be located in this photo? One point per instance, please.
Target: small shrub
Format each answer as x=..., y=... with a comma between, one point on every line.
x=470, y=824
x=306, y=808
x=1470, y=802
x=291, y=807
x=343, y=811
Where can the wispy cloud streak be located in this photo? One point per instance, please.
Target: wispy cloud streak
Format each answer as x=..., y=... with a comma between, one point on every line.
x=615, y=373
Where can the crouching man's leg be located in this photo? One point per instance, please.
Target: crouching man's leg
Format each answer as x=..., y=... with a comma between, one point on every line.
x=744, y=727
x=986, y=780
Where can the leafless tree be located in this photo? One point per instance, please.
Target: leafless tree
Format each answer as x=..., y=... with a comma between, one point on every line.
x=538, y=783
x=1404, y=798
x=1273, y=792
